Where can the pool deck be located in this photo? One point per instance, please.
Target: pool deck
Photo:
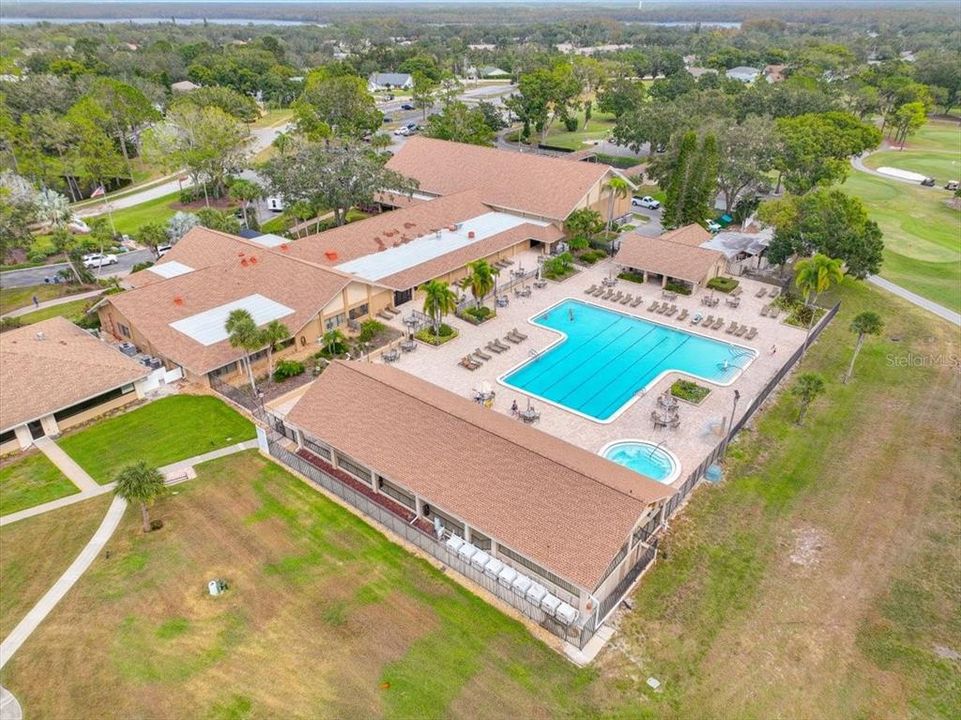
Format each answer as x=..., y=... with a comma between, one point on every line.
x=701, y=426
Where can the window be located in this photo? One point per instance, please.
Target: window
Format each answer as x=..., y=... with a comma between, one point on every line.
x=124, y=330
x=455, y=526
x=353, y=468
x=7, y=436
x=225, y=370
x=359, y=311
x=335, y=321
x=391, y=490
x=318, y=448
x=92, y=402
x=538, y=570
x=479, y=540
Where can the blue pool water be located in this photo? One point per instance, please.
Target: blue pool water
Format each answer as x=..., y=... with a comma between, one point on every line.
x=644, y=458
x=608, y=357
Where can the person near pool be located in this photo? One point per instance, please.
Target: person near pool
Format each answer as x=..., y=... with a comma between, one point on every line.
x=570, y=314
x=514, y=407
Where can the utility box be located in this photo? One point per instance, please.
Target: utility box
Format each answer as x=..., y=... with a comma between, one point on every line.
x=215, y=587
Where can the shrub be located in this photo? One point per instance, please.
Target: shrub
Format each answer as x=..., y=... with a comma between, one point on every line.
x=690, y=391
x=477, y=315
x=592, y=256
x=444, y=333
x=570, y=124
x=635, y=277
x=141, y=266
x=9, y=323
x=722, y=284
x=287, y=369
x=369, y=329
x=678, y=287
x=559, y=266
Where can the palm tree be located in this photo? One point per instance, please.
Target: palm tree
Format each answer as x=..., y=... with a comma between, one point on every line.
x=334, y=342
x=481, y=279
x=864, y=324
x=242, y=333
x=140, y=483
x=272, y=335
x=813, y=276
x=246, y=191
x=617, y=187
x=807, y=388
x=439, y=300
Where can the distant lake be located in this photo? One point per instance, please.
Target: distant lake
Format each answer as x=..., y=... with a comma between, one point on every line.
x=686, y=24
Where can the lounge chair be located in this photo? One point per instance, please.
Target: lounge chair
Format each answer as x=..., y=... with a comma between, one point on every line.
x=775, y=291
x=519, y=334
x=510, y=338
x=741, y=330
x=607, y=294
x=494, y=348
x=653, y=306
x=737, y=291
x=384, y=315
x=731, y=328
x=707, y=322
x=761, y=293
x=718, y=324
x=673, y=310
x=751, y=334
x=392, y=310
x=468, y=363
x=683, y=315
x=626, y=299
x=591, y=289
x=617, y=296
x=501, y=345
x=637, y=301
x=765, y=310
x=663, y=309
x=481, y=354
x=773, y=312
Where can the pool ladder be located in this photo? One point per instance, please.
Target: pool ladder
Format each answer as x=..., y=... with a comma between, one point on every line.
x=656, y=448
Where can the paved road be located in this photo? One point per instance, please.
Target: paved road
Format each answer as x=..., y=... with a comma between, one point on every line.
x=36, y=275
x=916, y=299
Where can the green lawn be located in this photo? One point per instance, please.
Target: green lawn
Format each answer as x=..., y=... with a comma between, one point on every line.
x=31, y=480
x=73, y=310
x=14, y=298
x=161, y=432
x=36, y=551
x=598, y=128
x=922, y=236
x=941, y=166
x=272, y=118
x=936, y=135
x=129, y=220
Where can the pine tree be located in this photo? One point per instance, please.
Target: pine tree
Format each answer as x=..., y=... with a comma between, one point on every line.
x=677, y=187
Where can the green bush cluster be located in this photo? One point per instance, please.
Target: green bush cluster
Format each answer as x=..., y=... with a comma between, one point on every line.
x=444, y=333
x=369, y=329
x=477, y=315
x=287, y=369
x=634, y=277
x=690, y=391
x=722, y=284
x=678, y=287
x=590, y=257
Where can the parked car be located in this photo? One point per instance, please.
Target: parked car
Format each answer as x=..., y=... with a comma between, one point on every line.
x=928, y=182
x=97, y=260
x=645, y=202
x=952, y=185
x=388, y=118
x=712, y=226
x=275, y=204
x=78, y=227
x=404, y=131
x=407, y=106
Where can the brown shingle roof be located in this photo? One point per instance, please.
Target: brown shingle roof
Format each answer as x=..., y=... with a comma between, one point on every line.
x=664, y=257
x=302, y=286
x=563, y=507
x=544, y=186
x=67, y=366
x=386, y=230
x=692, y=235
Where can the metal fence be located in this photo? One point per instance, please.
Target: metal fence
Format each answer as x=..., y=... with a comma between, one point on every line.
x=614, y=597
x=695, y=477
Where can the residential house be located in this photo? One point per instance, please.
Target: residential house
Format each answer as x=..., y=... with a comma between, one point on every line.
x=389, y=81
x=743, y=74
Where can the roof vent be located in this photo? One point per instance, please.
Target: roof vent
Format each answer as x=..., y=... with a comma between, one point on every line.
x=284, y=248
x=253, y=260
x=330, y=254
x=244, y=262
x=178, y=300
x=470, y=234
x=40, y=336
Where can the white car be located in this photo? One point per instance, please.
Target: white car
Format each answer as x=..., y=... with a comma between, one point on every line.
x=96, y=260
x=712, y=226
x=645, y=202
x=78, y=227
x=404, y=131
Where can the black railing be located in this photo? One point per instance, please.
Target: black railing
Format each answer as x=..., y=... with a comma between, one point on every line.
x=614, y=597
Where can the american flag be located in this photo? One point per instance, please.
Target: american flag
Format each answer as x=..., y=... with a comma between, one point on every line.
x=98, y=192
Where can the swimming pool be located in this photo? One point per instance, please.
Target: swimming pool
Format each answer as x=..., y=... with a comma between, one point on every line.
x=645, y=458
x=605, y=358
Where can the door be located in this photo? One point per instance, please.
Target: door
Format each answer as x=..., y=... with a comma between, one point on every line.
x=36, y=429
x=402, y=296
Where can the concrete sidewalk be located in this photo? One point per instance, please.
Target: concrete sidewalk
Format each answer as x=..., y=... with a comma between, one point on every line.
x=172, y=472
x=76, y=474
x=77, y=568
x=915, y=299
x=52, y=303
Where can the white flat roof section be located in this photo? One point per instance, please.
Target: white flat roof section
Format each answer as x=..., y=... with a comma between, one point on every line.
x=394, y=260
x=170, y=269
x=207, y=327
x=269, y=240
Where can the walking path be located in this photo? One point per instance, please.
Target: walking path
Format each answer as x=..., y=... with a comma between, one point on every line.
x=916, y=299
x=66, y=464
x=111, y=520
x=52, y=303
x=40, y=611
x=9, y=707
x=174, y=471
